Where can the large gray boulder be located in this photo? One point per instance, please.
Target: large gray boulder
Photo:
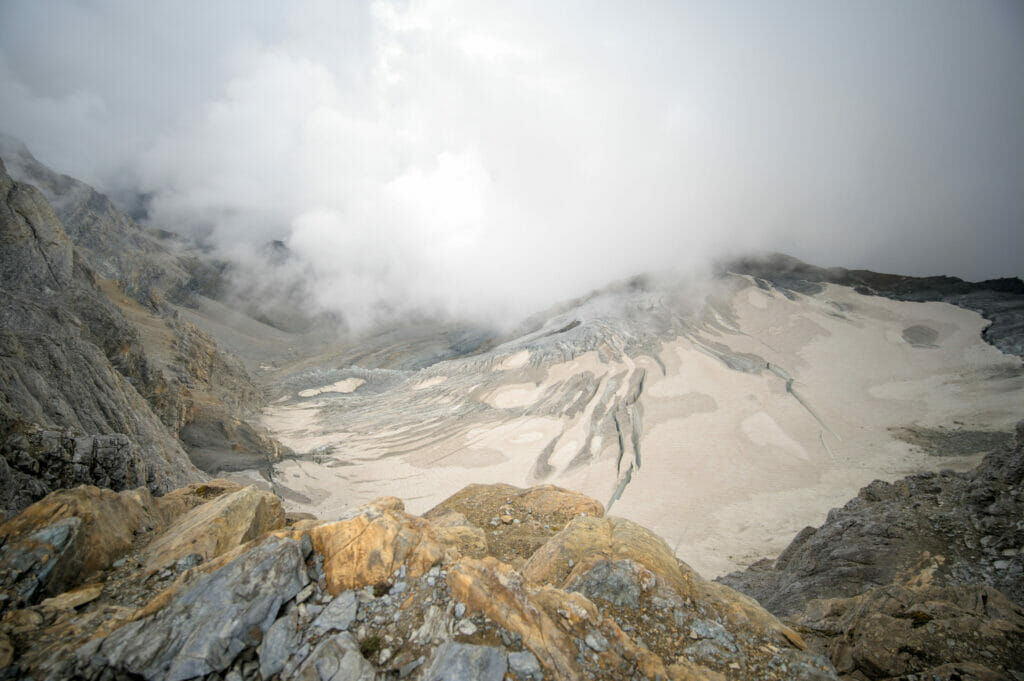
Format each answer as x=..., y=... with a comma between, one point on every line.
x=204, y=627
x=29, y=567
x=336, y=658
x=461, y=661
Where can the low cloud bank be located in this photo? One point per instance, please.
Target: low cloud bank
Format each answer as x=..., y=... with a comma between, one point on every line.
x=486, y=159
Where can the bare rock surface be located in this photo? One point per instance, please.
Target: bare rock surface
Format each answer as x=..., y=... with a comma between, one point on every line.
x=932, y=631
x=69, y=412
x=212, y=528
x=379, y=594
x=86, y=290
x=204, y=627
x=553, y=589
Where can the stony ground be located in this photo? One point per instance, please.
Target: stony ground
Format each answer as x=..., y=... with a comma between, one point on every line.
x=213, y=581
x=919, y=579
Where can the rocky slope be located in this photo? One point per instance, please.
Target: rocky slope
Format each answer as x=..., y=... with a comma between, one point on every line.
x=202, y=395
x=921, y=576
x=214, y=581
x=69, y=412
x=152, y=268
x=918, y=579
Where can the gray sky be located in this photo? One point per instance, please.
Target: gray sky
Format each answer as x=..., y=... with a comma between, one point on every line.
x=498, y=156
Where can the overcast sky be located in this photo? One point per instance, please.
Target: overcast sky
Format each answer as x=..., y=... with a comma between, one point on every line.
x=503, y=155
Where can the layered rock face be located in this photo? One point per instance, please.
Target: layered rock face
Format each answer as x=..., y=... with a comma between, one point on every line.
x=68, y=412
x=213, y=581
x=921, y=576
x=89, y=326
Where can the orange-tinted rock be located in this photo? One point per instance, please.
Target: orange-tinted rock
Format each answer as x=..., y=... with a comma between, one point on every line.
x=369, y=547
x=600, y=598
x=556, y=501
x=550, y=619
x=516, y=522
x=588, y=541
x=610, y=539
x=492, y=588
x=453, y=528
x=184, y=499
x=216, y=526
x=107, y=523
x=69, y=600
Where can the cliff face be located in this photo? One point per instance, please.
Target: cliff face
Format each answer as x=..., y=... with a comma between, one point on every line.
x=150, y=269
x=202, y=395
x=68, y=411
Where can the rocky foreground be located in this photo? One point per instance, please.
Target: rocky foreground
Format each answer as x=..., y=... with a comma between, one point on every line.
x=920, y=579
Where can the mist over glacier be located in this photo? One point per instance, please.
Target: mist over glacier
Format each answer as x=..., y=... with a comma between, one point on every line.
x=484, y=159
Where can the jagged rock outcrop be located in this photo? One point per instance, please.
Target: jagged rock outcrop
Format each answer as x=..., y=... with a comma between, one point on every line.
x=68, y=412
x=947, y=633
x=377, y=594
x=72, y=536
x=962, y=528
x=921, y=576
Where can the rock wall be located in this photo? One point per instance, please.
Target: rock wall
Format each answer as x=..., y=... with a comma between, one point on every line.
x=204, y=396
x=66, y=358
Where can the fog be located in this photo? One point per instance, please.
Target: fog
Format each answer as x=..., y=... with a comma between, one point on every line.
x=486, y=159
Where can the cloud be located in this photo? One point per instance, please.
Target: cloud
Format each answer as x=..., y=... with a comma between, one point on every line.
x=485, y=159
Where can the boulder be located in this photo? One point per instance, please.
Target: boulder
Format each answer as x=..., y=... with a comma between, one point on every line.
x=216, y=526
x=281, y=640
x=67, y=537
x=335, y=659
x=457, y=661
x=367, y=548
x=339, y=613
x=206, y=624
